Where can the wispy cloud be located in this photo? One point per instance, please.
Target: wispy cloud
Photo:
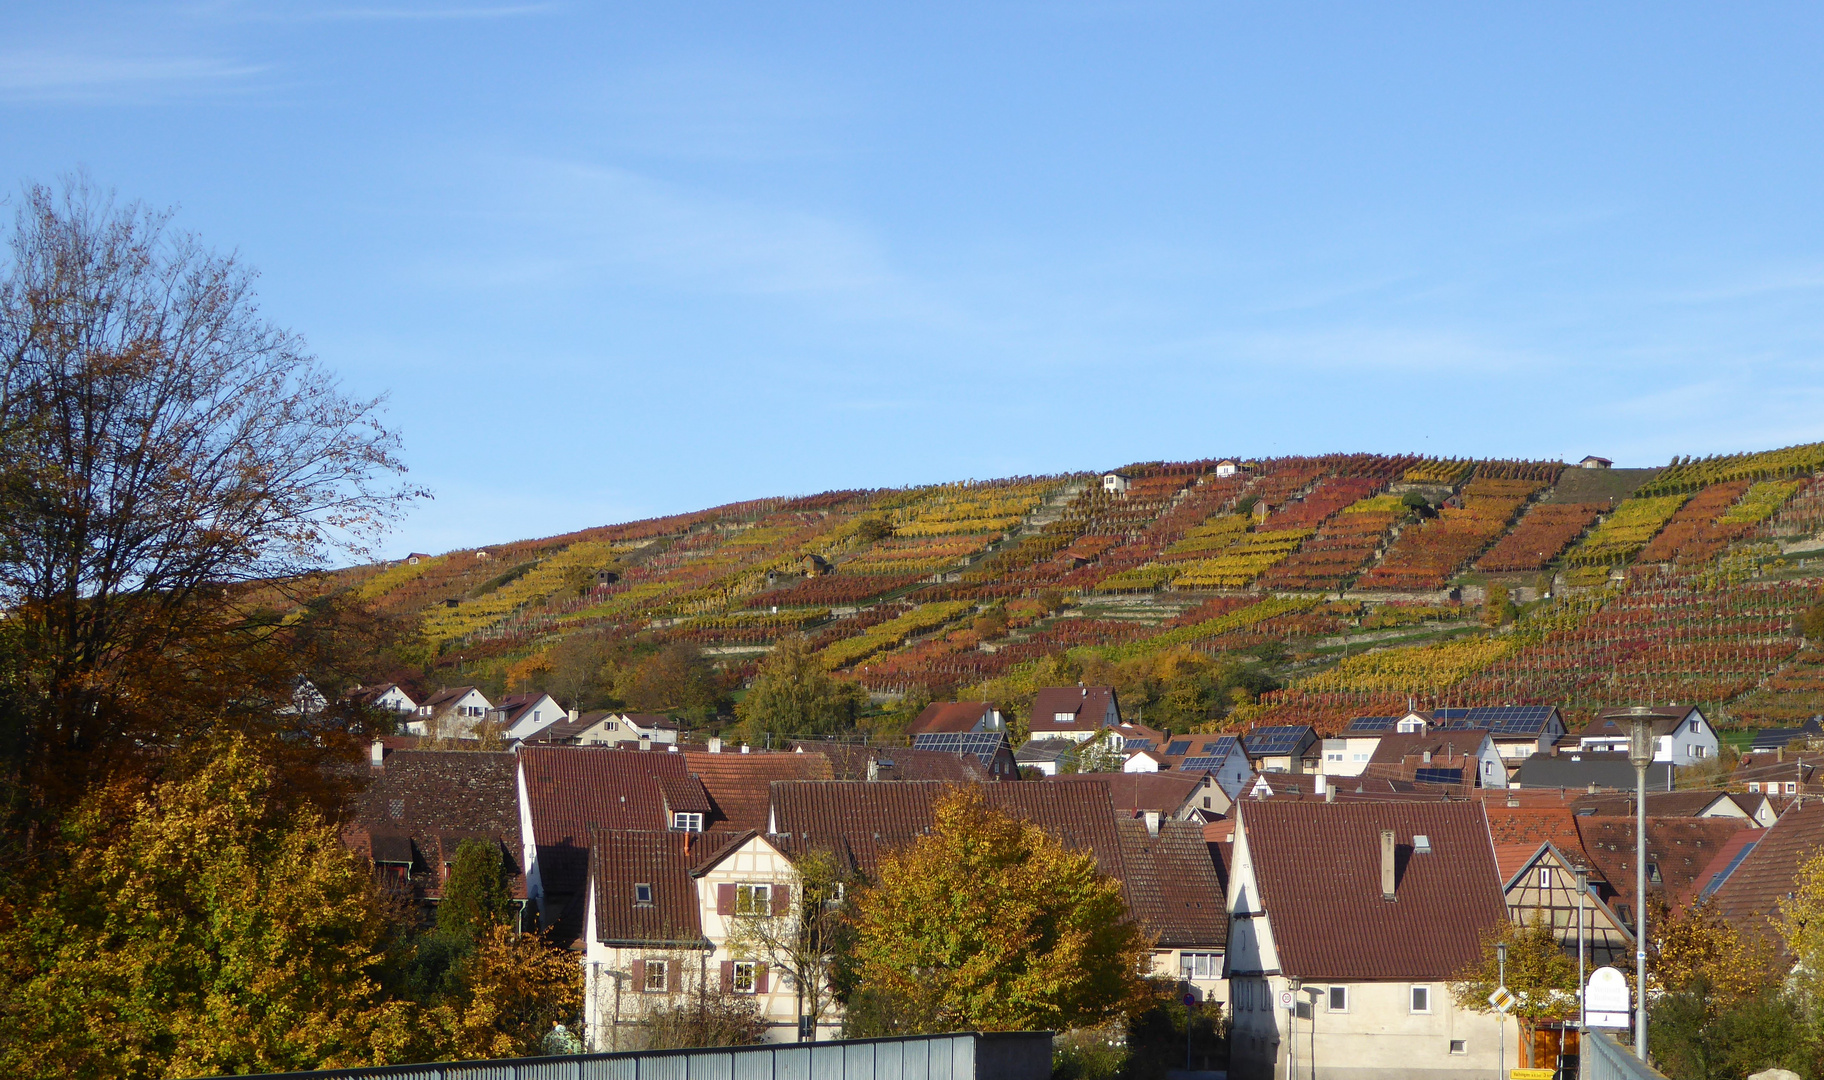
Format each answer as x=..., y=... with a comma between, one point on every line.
x=61, y=76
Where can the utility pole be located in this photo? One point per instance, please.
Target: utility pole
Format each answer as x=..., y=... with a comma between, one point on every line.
x=1640, y=755
x=1501, y=977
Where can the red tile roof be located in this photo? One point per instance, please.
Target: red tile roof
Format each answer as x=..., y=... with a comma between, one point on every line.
x=739, y=784
x=1749, y=900
x=1659, y=803
x=1317, y=867
x=949, y=716
x=1172, y=885
x=1131, y=793
x=864, y=820
x=1719, y=866
x=1088, y=707
x=571, y=791
x=850, y=762
x=1517, y=833
x=1679, y=848
x=426, y=800
x=620, y=860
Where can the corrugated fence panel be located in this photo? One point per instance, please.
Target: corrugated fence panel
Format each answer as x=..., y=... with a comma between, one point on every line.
x=610, y=1069
x=826, y=1062
x=717, y=1065
x=889, y=1061
x=962, y=1058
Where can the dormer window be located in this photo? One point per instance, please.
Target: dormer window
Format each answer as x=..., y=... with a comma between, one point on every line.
x=1063, y=718
x=642, y=894
x=687, y=822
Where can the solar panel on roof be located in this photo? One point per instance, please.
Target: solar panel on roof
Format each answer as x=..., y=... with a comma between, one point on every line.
x=1274, y=740
x=1131, y=745
x=1182, y=746
x=1716, y=882
x=1372, y=723
x=1512, y=719
x=1210, y=763
x=1438, y=776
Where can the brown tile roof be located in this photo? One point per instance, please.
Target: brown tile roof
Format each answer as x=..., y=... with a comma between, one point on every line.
x=442, y=699
x=1088, y=706
x=1517, y=833
x=619, y=860
x=1318, y=870
x=423, y=798
x=1172, y=885
x=850, y=762
x=1781, y=769
x=565, y=730
x=1131, y=793
x=1750, y=898
x=739, y=785
x=949, y=716
x=1303, y=787
x=1409, y=748
x=1678, y=847
x=571, y=791
x=1613, y=722
x=864, y=820
x=684, y=795
x=1659, y=803
x=1718, y=870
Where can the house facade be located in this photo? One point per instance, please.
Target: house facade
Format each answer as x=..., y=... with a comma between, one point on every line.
x=1682, y=735
x=1077, y=713
x=456, y=713
x=1347, y=922
x=521, y=716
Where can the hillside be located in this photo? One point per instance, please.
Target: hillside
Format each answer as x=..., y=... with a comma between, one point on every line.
x=1354, y=582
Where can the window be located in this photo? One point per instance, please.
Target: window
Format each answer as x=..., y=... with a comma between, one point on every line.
x=1421, y=999
x=1791, y=787
x=1339, y=999
x=1064, y=718
x=1694, y=727
x=658, y=976
x=753, y=899
x=744, y=976
x=1754, y=788
x=1459, y=1046
x=1699, y=751
x=1199, y=966
x=687, y=822
x=1653, y=874
x=1545, y=877
x=1362, y=755
x=642, y=894
x=1206, y=802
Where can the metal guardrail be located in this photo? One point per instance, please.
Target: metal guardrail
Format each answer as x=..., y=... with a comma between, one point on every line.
x=1012, y=1055
x=1605, y=1059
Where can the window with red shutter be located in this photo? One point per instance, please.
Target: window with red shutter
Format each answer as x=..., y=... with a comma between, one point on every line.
x=782, y=900
x=725, y=899
x=728, y=976
x=759, y=978
x=639, y=975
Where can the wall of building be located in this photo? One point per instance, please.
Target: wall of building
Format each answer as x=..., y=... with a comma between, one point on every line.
x=1376, y=1037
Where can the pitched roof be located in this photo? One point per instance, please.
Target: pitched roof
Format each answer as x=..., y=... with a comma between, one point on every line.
x=1604, y=770
x=1087, y=707
x=684, y=795
x=1396, y=748
x=1678, y=848
x=1722, y=867
x=1035, y=750
x=565, y=730
x=868, y=819
x=367, y=695
x=981, y=748
x=1172, y=885
x=1279, y=740
x=1303, y=786
x=1750, y=898
x=443, y=699
x=1517, y=832
x=1131, y=793
x=650, y=721
x=571, y=791
x=949, y=716
x=620, y=860
x=739, y=784
x=1317, y=866
x=1689, y=803
x=1611, y=723
x=1773, y=738
x=407, y=810
x=850, y=762
x=1504, y=720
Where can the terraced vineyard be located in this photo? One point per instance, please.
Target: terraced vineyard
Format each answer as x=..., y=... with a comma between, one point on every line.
x=1354, y=582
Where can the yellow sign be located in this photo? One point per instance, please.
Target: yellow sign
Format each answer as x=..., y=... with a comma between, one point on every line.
x=1531, y=1074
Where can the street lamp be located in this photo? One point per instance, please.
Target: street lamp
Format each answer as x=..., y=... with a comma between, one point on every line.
x=1640, y=755
x=1501, y=977
x=1583, y=1016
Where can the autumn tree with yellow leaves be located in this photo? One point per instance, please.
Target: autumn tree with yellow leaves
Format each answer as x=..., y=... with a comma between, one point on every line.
x=989, y=924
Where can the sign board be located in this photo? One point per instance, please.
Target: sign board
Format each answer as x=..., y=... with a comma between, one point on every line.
x=1190, y=1001
x=1286, y=1000
x=1532, y=1074
x=1606, y=1001
x=1501, y=999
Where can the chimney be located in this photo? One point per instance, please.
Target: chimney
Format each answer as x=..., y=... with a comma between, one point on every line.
x=1152, y=823
x=873, y=768
x=715, y=744
x=1321, y=786
x=1779, y=753
x=1387, y=891
x=575, y=716
x=376, y=755
x=746, y=748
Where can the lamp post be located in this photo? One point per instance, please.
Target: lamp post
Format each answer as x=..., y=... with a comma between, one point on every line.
x=1583, y=1016
x=1640, y=755
x=1501, y=977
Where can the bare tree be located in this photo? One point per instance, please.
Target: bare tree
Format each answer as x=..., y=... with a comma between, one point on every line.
x=160, y=443
x=803, y=939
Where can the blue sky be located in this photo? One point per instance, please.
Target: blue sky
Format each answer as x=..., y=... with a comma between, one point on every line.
x=611, y=261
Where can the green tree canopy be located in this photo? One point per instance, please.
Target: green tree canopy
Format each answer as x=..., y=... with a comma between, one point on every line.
x=475, y=896
x=989, y=924
x=794, y=694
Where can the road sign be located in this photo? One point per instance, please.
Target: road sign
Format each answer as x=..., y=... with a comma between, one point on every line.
x=1286, y=1000
x=1190, y=1001
x=1501, y=999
